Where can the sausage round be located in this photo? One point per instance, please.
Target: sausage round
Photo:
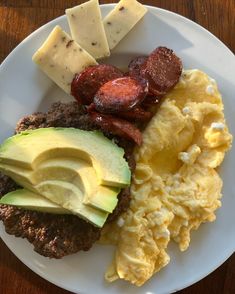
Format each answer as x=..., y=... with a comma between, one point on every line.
x=87, y=83
x=138, y=114
x=162, y=69
x=135, y=66
x=120, y=94
x=117, y=126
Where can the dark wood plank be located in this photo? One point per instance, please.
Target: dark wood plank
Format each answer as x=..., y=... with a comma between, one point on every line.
x=229, y=282
x=21, y=17
x=218, y=17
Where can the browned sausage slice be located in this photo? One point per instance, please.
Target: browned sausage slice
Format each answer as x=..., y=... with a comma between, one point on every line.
x=150, y=100
x=120, y=94
x=162, y=69
x=138, y=114
x=87, y=83
x=117, y=126
x=153, y=91
x=135, y=66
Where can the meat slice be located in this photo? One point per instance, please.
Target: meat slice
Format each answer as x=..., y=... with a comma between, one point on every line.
x=116, y=126
x=121, y=94
x=87, y=83
x=138, y=114
x=162, y=69
x=53, y=236
x=135, y=66
x=6, y=185
x=124, y=198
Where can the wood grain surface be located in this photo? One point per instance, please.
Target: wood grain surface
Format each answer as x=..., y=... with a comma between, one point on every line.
x=21, y=17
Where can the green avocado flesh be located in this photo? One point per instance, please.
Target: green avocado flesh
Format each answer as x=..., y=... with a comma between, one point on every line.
x=30, y=148
x=26, y=199
x=70, y=198
x=77, y=171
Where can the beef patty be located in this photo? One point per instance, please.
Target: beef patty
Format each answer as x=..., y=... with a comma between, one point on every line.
x=54, y=235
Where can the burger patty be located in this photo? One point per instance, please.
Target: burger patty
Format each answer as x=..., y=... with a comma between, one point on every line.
x=54, y=235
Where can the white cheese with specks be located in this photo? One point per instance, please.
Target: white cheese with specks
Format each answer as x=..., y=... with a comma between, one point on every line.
x=122, y=19
x=87, y=28
x=61, y=58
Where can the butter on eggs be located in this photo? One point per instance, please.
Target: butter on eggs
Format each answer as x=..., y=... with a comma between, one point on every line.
x=175, y=186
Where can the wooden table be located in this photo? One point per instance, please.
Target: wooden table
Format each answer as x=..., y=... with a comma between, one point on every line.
x=21, y=17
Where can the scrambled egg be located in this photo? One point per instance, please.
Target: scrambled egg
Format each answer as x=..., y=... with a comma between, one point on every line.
x=175, y=187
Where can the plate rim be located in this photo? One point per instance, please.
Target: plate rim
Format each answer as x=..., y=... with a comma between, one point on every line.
x=191, y=281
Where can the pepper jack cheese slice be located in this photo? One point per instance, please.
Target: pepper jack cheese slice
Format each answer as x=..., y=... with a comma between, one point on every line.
x=61, y=58
x=122, y=19
x=87, y=28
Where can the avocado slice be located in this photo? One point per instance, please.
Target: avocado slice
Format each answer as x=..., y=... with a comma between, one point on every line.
x=84, y=177
x=30, y=148
x=70, y=197
x=76, y=172
x=26, y=199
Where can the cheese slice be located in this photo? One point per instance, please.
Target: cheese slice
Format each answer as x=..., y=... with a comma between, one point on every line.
x=61, y=58
x=122, y=19
x=87, y=28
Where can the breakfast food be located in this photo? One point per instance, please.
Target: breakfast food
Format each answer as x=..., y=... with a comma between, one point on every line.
x=88, y=31
x=122, y=94
x=118, y=104
x=61, y=58
x=162, y=69
x=118, y=127
x=73, y=187
x=26, y=199
x=87, y=83
x=135, y=66
x=137, y=114
x=122, y=19
x=175, y=186
x=56, y=235
x=81, y=177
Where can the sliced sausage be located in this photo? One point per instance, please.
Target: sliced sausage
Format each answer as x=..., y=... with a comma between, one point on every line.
x=153, y=91
x=150, y=100
x=87, y=83
x=135, y=66
x=162, y=69
x=120, y=94
x=137, y=114
x=116, y=126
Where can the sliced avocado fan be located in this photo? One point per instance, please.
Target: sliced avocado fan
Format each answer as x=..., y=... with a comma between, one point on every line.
x=65, y=169
x=26, y=199
x=29, y=148
x=70, y=170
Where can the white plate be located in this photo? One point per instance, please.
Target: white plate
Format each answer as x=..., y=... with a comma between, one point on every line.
x=24, y=89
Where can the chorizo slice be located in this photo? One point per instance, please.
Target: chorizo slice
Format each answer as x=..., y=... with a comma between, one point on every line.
x=150, y=100
x=153, y=91
x=135, y=66
x=138, y=114
x=116, y=126
x=87, y=83
x=120, y=94
x=163, y=70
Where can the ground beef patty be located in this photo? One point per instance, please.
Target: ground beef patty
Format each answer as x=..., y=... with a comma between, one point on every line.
x=53, y=235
